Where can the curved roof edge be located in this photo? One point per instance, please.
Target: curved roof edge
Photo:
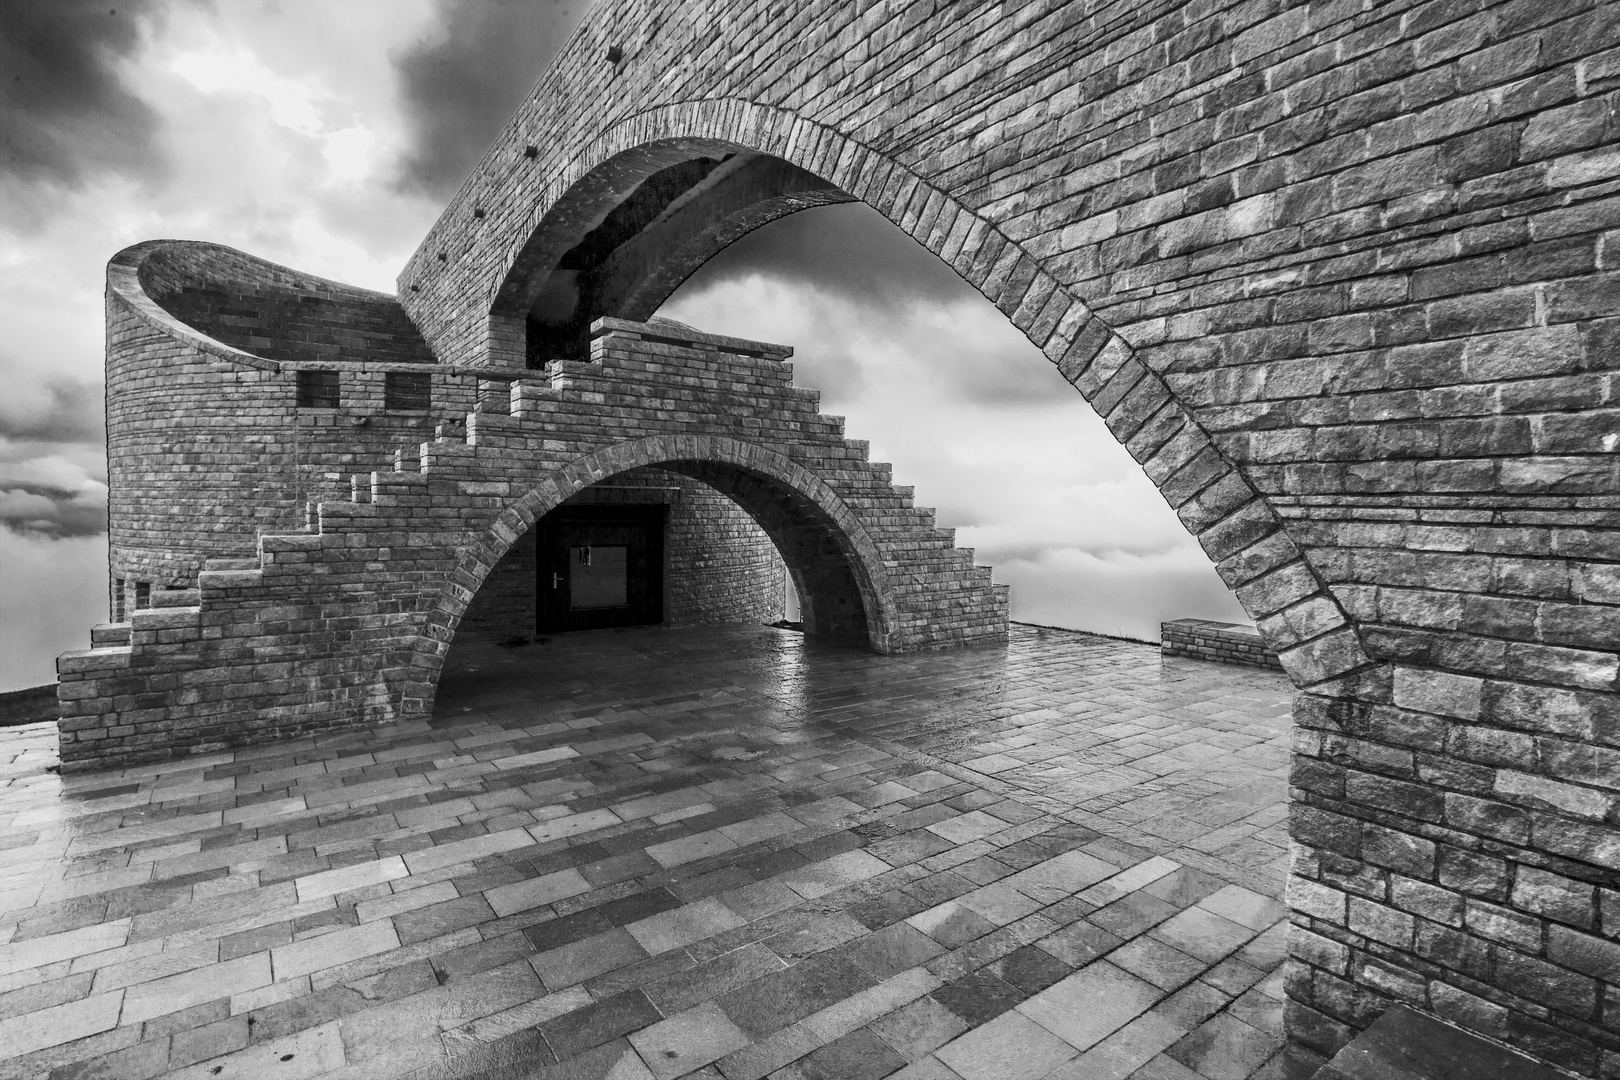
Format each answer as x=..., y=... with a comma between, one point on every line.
x=250, y=311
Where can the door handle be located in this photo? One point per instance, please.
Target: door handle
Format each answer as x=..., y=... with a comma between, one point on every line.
x=556, y=580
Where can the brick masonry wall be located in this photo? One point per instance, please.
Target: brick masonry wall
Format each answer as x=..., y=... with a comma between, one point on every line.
x=1224, y=643
x=275, y=312
x=348, y=621
x=1345, y=278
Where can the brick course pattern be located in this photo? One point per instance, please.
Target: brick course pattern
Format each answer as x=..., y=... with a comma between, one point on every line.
x=1224, y=643
x=1344, y=277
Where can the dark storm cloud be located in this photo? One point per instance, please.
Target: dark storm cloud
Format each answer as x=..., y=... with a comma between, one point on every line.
x=74, y=414
x=65, y=112
x=463, y=82
x=51, y=459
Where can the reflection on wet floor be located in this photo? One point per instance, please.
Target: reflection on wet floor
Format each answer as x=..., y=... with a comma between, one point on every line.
x=717, y=853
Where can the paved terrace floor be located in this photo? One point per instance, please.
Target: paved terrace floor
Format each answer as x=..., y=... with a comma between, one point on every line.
x=714, y=853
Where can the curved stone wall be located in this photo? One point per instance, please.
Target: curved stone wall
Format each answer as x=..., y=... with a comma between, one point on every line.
x=275, y=312
x=206, y=443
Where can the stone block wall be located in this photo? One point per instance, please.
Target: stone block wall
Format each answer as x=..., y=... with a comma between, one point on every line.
x=274, y=312
x=1224, y=643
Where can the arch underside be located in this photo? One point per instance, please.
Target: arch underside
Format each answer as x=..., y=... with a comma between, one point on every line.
x=619, y=243
x=845, y=591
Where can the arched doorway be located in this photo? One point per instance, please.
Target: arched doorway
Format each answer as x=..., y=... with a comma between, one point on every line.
x=844, y=588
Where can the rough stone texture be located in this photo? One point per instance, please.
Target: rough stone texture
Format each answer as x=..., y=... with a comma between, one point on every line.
x=1224, y=643
x=1344, y=278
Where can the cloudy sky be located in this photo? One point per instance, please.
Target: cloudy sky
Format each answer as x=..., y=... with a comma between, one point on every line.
x=327, y=136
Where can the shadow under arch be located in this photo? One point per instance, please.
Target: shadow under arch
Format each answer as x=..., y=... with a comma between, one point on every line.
x=1295, y=611
x=816, y=533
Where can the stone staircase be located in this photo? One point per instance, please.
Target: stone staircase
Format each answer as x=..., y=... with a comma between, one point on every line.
x=345, y=622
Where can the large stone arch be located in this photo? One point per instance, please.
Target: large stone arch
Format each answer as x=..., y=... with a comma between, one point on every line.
x=1298, y=616
x=779, y=493
x=1342, y=277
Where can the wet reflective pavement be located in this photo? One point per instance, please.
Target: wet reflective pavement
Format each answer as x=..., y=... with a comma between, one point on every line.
x=717, y=853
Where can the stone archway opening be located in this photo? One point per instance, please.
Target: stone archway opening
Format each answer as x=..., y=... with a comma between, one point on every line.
x=728, y=533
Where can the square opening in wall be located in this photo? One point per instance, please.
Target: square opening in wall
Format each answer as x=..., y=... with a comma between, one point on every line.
x=317, y=389
x=407, y=391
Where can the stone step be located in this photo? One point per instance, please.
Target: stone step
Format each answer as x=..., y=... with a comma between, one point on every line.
x=108, y=635
x=1407, y=1045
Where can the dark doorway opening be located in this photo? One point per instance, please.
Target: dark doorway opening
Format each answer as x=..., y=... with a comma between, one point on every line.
x=599, y=567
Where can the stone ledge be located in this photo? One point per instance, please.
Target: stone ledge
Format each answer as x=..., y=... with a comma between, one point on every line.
x=678, y=334
x=1223, y=643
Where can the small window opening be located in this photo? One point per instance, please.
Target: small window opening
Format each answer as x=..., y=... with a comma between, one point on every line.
x=407, y=391
x=317, y=389
x=143, y=595
x=118, y=600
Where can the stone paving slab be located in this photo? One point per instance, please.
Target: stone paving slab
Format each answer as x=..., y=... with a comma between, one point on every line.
x=722, y=853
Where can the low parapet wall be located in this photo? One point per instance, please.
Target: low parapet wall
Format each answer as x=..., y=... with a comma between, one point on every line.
x=1225, y=643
